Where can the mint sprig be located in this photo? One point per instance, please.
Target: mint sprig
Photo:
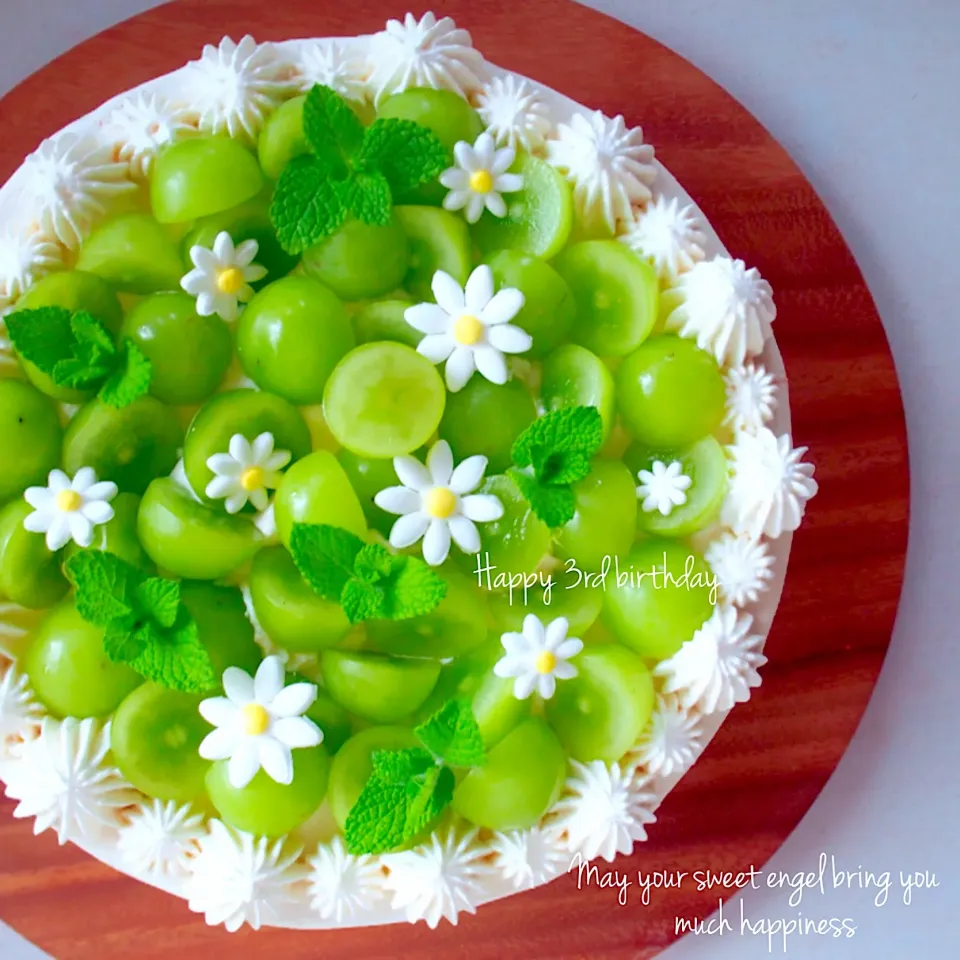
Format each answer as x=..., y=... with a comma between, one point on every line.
x=76, y=351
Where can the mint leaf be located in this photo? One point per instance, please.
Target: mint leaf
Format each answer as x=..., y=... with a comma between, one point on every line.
x=93, y=354
x=333, y=131
x=130, y=379
x=559, y=467
x=362, y=601
x=42, y=336
x=564, y=440
x=377, y=821
x=399, y=766
x=427, y=798
x=367, y=196
x=160, y=599
x=406, y=153
x=176, y=658
x=374, y=562
x=554, y=505
x=123, y=641
x=452, y=735
x=307, y=206
x=413, y=589
x=106, y=586
x=325, y=556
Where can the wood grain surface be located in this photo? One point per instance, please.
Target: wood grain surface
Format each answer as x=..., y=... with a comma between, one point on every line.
x=774, y=754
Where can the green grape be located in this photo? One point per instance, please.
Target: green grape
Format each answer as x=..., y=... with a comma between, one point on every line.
x=29, y=573
x=68, y=669
x=290, y=337
x=293, y=616
x=316, y=490
x=368, y=476
x=331, y=718
x=600, y=713
x=383, y=400
x=575, y=377
x=190, y=354
x=155, y=737
x=461, y=677
x=192, y=540
x=439, y=240
x=486, y=418
x=659, y=596
x=225, y=631
x=521, y=780
x=579, y=603
x=119, y=535
x=30, y=437
x=670, y=393
x=266, y=808
x=377, y=688
x=360, y=260
x=384, y=320
x=282, y=137
x=201, y=176
x=495, y=708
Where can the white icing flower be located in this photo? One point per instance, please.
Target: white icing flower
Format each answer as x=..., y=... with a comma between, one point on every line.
x=470, y=327
x=161, y=839
x=436, y=502
x=259, y=723
x=221, y=277
x=529, y=858
x=479, y=178
x=667, y=235
x=235, y=85
x=671, y=742
x=343, y=887
x=769, y=485
x=336, y=66
x=751, y=397
x=743, y=567
x=246, y=472
x=718, y=666
x=440, y=878
x=514, y=113
x=20, y=714
x=144, y=123
x=726, y=308
x=663, y=487
x=26, y=255
x=239, y=879
x=61, y=778
x=71, y=180
x=538, y=657
x=609, y=165
x=68, y=509
x=605, y=810
x=425, y=53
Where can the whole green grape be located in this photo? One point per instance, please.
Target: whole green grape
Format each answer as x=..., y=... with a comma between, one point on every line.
x=29, y=573
x=30, y=437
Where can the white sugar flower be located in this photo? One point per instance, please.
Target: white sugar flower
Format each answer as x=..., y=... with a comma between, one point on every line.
x=671, y=742
x=343, y=887
x=668, y=236
x=538, y=657
x=529, y=858
x=26, y=255
x=470, y=327
x=161, y=839
x=663, y=487
x=68, y=509
x=246, y=472
x=20, y=714
x=514, y=113
x=743, y=567
x=334, y=65
x=437, y=502
x=259, y=722
x=221, y=277
x=751, y=397
x=718, y=667
x=142, y=124
x=479, y=178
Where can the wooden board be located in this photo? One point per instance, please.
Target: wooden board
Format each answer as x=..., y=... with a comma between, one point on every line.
x=774, y=754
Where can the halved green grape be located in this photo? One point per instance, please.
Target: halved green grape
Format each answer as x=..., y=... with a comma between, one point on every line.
x=495, y=708
x=575, y=377
x=293, y=616
x=30, y=437
x=461, y=678
x=659, y=595
x=68, y=669
x=368, y=476
x=384, y=320
x=360, y=261
x=616, y=294
x=76, y=290
x=316, y=490
x=670, y=393
x=224, y=629
x=200, y=176
x=377, y=688
x=486, y=418
x=290, y=337
x=266, y=808
x=190, y=354
x=192, y=540
x=129, y=446
x=600, y=713
x=579, y=603
x=282, y=137
x=439, y=240
x=331, y=718
x=521, y=780
x=29, y=573
x=119, y=535
x=247, y=412
x=383, y=400
x=155, y=737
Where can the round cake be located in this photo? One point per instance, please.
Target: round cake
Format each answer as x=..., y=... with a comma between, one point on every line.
x=397, y=481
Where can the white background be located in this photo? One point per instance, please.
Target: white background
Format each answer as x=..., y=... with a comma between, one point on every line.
x=865, y=95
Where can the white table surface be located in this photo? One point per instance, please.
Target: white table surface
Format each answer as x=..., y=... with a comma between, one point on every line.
x=865, y=94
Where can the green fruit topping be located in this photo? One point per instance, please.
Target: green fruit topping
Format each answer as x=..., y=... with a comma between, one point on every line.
x=224, y=630
x=384, y=320
x=575, y=377
x=368, y=476
x=75, y=290
x=282, y=137
x=439, y=240
x=29, y=573
x=30, y=437
x=119, y=535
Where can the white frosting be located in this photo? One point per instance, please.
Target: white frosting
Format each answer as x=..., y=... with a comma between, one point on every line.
x=343, y=887
x=529, y=858
x=142, y=124
x=538, y=656
x=743, y=567
x=246, y=471
x=479, y=178
x=66, y=509
x=333, y=65
x=671, y=742
x=12, y=631
x=668, y=235
x=20, y=714
x=751, y=397
x=662, y=487
x=25, y=256
x=514, y=113
x=609, y=165
x=161, y=839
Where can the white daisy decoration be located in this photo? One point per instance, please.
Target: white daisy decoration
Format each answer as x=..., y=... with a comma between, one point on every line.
x=68, y=509
x=259, y=723
x=333, y=65
x=479, y=178
x=142, y=125
x=743, y=567
x=246, y=472
x=20, y=714
x=672, y=741
x=529, y=858
x=469, y=328
x=26, y=255
x=538, y=656
x=343, y=887
x=667, y=235
x=751, y=397
x=161, y=839
x=515, y=115
x=662, y=487
x=221, y=277
x=437, y=502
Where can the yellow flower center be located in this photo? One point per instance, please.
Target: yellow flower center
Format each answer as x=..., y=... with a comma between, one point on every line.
x=441, y=502
x=252, y=478
x=255, y=719
x=546, y=662
x=481, y=181
x=230, y=280
x=468, y=330
x=69, y=501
